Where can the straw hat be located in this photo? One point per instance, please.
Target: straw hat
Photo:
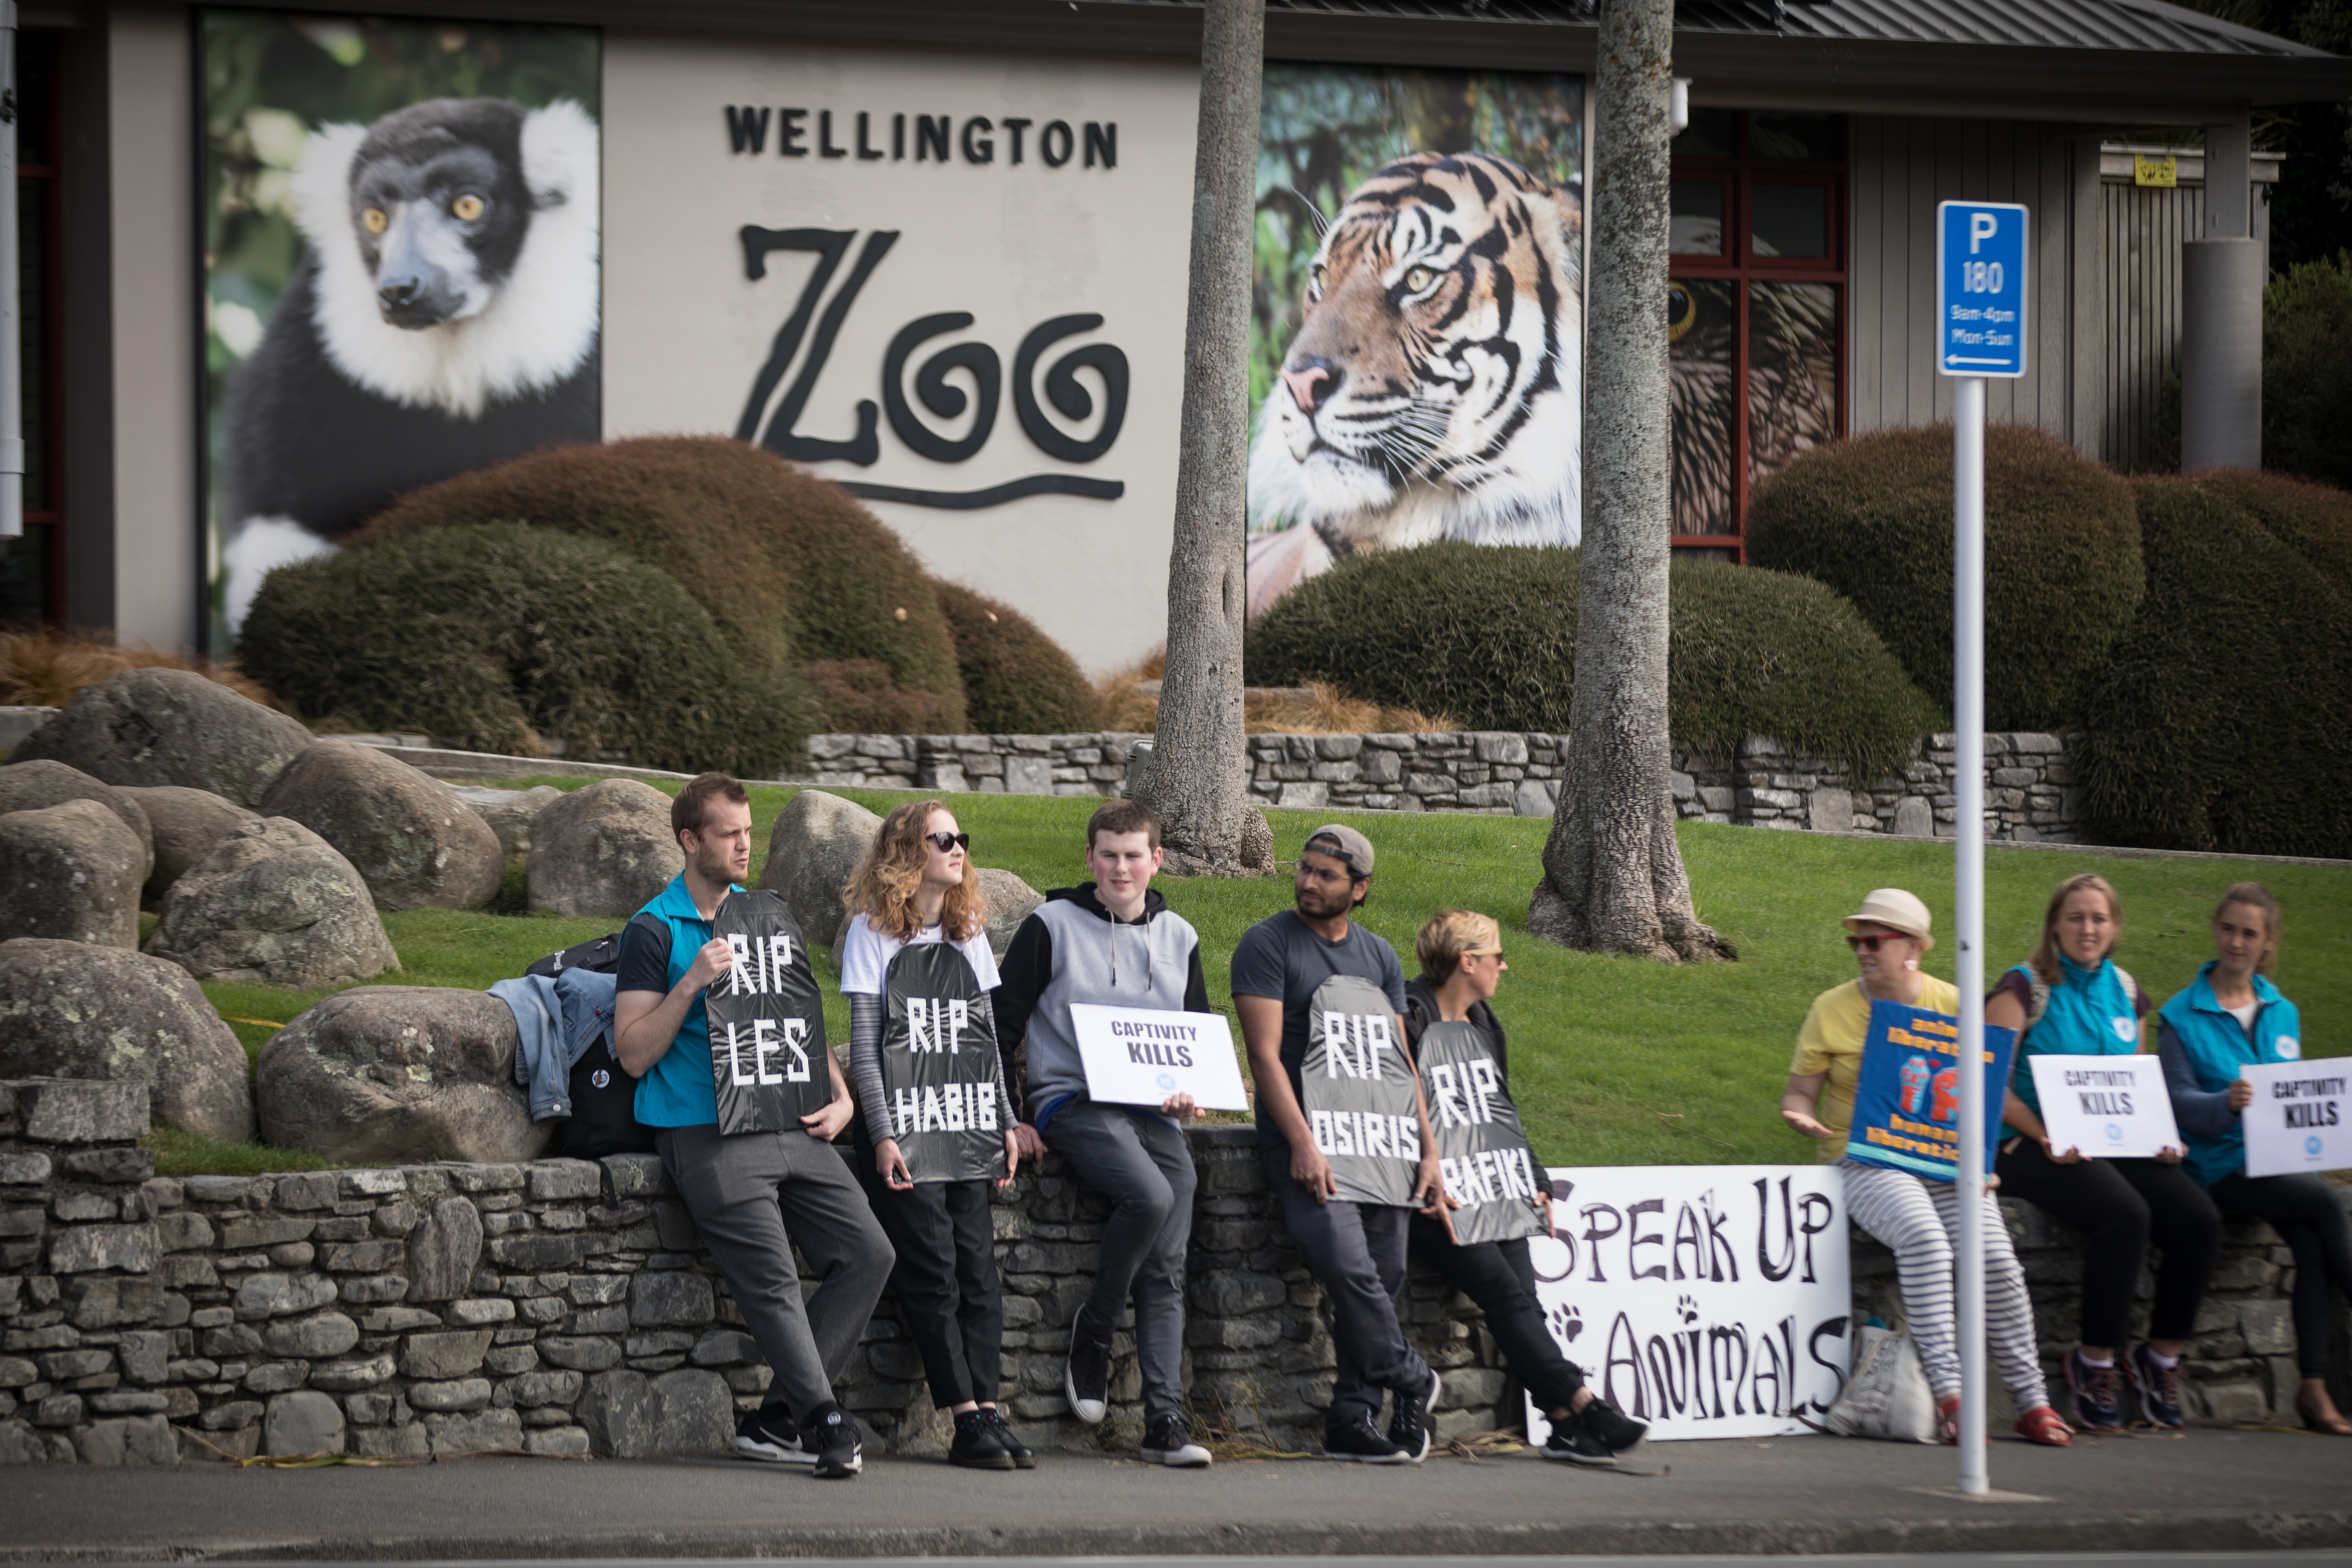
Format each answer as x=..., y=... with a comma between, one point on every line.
x=1898, y=910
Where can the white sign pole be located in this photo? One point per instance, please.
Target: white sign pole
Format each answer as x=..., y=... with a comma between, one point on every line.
x=1968, y=839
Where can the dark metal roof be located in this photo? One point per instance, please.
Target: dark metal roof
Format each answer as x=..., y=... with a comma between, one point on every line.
x=2133, y=25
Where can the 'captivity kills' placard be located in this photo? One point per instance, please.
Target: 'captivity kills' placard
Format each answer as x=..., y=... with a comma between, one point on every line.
x=2298, y=1119
x=2105, y=1108
x=1141, y=1056
x=1710, y=1300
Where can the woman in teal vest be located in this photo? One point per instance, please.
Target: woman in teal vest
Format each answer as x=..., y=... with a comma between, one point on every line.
x=2070, y=999
x=2232, y=1016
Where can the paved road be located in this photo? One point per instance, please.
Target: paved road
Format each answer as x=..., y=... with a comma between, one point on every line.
x=2214, y=1491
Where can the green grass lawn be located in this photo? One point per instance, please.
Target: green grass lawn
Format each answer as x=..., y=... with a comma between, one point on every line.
x=1613, y=1061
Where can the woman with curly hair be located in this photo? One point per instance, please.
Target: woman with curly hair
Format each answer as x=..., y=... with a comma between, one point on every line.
x=936, y=1129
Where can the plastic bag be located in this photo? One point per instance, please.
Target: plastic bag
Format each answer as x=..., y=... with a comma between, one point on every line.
x=1888, y=1395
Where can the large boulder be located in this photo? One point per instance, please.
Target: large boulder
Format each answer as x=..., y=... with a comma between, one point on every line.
x=509, y=812
x=814, y=849
x=607, y=849
x=71, y=1010
x=70, y=871
x=187, y=823
x=418, y=844
x=1010, y=899
x=170, y=727
x=273, y=903
x=31, y=786
x=396, y=1075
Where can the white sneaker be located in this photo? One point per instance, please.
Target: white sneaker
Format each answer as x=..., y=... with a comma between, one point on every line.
x=1169, y=1444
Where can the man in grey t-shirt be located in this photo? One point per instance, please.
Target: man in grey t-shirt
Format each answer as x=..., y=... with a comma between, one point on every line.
x=1343, y=1132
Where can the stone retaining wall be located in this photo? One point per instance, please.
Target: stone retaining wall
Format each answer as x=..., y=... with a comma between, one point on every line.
x=2030, y=791
x=565, y=1308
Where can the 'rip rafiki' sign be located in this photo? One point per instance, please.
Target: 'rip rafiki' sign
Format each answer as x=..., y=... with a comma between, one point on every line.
x=1710, y=1300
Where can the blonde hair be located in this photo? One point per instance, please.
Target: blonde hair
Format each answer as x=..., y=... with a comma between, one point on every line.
x=2044, y=962
x=2254, y=895
x=1449, y=934
x=887, y=881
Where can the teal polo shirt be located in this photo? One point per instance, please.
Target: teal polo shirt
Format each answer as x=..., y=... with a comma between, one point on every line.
x=661, y=940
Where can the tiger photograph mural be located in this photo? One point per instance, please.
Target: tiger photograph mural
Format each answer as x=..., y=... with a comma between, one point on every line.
x=1417, y=356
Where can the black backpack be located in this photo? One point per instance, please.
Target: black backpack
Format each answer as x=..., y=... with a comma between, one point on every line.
x=604, y=1098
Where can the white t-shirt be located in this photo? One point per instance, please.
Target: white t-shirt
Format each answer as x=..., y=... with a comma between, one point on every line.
x=2245, y=1014
x=866, y=955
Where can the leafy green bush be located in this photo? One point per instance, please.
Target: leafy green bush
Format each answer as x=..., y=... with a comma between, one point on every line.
x=2307, y=371
x=1872, y=517
x=1488, y=633
x=791, y=567
x=2313, y=520
x=1016, y=680
x=481, y=636
x=2218, y=723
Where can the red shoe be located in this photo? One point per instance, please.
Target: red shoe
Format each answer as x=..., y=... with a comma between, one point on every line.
x=1947, y=1419
x=2044, y=1425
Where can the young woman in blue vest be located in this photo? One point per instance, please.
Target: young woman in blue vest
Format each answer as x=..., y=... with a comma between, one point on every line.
x=917, y=886
x=2070, y=999
x=2230, y=1017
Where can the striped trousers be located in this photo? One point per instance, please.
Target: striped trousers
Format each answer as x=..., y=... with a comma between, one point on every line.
x=1919, y=1221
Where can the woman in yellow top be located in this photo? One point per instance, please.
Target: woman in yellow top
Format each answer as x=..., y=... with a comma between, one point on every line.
x=1919, y=1220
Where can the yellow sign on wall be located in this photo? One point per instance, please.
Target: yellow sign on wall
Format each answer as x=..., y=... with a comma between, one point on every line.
x=2163, y=171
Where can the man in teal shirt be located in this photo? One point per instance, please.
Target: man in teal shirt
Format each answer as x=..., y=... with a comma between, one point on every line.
x=753, y=1194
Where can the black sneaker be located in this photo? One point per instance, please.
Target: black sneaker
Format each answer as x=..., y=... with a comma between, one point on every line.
x=2158, y=1387
x=770, y=1433
x=1408, y=1427
x=833, y=1431
x=1168, y=1442
x=2098, y=1392
x=1087, y=1380
x=975, y=1447
x=1573, y=1441
x=1360, y=1443
x=1616, y=1430
x=1022, y=1454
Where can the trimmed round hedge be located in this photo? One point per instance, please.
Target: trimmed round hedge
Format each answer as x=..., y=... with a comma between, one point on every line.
x=791, y=566
x=1016, y=680
x=1488, y=634
x=2218, y=723
x=1872, y=518
x=2313, y=520
x=484, y=638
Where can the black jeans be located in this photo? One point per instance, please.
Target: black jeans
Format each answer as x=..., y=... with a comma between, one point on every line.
x=2119, y=1206
x=1500, y=1277
x=946, y=1280
x=2310, y=1219
x=1358, y=1251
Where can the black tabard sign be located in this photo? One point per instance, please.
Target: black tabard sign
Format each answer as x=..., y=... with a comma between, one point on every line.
x=767, y=1021
x=1356, y=1088
x=1481, y=1147
x=940, y=1072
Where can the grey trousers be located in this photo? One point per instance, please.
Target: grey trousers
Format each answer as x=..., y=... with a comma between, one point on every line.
x=1358, y=1251
x=752, y=1196
x=1144, y=1167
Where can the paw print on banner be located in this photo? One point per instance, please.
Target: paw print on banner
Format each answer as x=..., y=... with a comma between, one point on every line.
x=1567, y=1323
x=1686, y=1308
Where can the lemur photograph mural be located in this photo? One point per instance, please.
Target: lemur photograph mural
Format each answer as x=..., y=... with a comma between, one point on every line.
x=402, y=268
x=1417, y=341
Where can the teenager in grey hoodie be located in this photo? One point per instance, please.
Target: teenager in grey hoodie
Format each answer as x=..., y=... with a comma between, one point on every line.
x=1114, y=943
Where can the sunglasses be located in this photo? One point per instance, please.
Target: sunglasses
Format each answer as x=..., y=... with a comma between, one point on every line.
x=1870, y=943
x=943, y=842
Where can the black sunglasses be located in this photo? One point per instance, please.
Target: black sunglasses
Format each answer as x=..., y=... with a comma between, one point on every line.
x=943, y=842
x=1870, y=943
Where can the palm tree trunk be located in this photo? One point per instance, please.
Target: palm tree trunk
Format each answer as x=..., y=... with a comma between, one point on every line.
x=1613, y=878
x=1199, y=777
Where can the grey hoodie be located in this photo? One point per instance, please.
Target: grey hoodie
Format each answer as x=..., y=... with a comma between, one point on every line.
x=1070, y=950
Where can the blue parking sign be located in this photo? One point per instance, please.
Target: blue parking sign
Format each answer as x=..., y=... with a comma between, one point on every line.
x=1981, y=271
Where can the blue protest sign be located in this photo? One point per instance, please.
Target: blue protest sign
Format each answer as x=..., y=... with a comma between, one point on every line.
x=1981, y=275
x=1907, y=1103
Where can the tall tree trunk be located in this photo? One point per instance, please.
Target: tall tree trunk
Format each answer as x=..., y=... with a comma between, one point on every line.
x=1199, y=777
x=1613, y=878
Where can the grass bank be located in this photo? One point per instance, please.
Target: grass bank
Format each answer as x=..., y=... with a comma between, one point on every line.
x=1613, y=1061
